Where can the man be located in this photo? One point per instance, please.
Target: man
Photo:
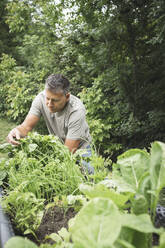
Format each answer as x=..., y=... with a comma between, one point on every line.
x=63, y=113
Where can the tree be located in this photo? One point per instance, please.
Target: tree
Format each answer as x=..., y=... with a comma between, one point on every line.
x=112, y=50
x=7, y=39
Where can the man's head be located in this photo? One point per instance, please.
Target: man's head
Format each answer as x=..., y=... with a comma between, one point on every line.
x=57, y=83
x=57, y=92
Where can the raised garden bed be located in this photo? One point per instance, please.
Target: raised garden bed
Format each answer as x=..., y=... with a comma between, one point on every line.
x=45, y=187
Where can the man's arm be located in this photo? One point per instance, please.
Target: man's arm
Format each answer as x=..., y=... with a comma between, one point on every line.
x=23, y=129
x=72, y=144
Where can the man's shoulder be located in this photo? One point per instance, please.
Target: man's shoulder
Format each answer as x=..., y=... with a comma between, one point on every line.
x=75, y=103
x=40, y=96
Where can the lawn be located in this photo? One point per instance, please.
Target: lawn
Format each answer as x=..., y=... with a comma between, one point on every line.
x=5, y=127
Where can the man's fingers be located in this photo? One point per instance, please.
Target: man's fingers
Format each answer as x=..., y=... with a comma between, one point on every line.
x=14, y=142
x=13, y=136
x=17, y=134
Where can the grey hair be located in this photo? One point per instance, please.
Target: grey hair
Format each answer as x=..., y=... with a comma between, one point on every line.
x=57, y=83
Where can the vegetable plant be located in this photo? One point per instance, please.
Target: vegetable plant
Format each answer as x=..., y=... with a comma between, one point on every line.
x=39, y=170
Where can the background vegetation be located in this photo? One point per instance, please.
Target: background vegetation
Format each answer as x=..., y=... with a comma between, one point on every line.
x=5, y=127
x=112, y=51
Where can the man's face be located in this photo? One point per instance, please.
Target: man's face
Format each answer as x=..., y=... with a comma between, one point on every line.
x=56, y=101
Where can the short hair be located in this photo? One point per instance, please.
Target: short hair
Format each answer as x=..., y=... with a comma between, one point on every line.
x=56, y=83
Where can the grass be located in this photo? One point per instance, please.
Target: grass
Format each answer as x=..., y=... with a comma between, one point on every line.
x=5, y=127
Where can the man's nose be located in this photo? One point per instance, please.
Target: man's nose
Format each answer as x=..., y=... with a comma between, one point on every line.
x=50, y=103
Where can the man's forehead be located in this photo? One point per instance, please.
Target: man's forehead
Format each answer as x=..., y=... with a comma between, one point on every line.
x=54, y=95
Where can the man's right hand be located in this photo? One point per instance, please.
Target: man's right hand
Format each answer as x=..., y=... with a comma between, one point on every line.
x=22, y=130
x=14, y=136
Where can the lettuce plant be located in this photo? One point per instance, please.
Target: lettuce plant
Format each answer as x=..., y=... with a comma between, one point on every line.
x=142, y=175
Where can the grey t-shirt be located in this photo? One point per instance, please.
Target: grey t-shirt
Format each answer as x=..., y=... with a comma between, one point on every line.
x=70, y=123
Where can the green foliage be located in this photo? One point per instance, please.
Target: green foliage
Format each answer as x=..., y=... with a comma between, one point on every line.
x=5, y=127
x=157, y=172
x=17, y=88
x=112, y=49
x=6, y=71
x=142, y=174
x=101, y=212
x=25, y=209
x=114, y=52
x=19, y=242
x=20, y=15
x=102, y=116
x=111, y=228
x=38, y=170
x=103, y=219
x=133, y=164
x=43, y=166
x=117, y=34
x=100, y=190
x=7, y=42
x=20, y=95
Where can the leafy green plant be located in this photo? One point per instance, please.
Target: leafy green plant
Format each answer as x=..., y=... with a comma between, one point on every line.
x=99, y=163
x=100, y=224
x=19, y=242
x=101, y=128
x=143, y=175
x=39, y=169
x=7, y=66
x=25, y=209
x=111, y=228
x=21, y=92
x=118, y=211
x=157, y=173
x=100, y=190
x=44, y=166
x=17, y=89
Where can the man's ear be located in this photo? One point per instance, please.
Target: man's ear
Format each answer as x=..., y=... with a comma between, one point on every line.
x=67, y=96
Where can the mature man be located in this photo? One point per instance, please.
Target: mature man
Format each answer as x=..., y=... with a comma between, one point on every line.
x=63, y=113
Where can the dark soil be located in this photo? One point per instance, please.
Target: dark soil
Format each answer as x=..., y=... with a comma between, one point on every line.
x=155, y=239
x=53, y=220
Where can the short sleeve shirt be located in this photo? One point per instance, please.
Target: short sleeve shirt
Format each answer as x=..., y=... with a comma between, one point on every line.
x=70, y=123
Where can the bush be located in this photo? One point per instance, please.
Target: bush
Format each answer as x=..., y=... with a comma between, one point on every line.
x=102, y=116
x=18, y=88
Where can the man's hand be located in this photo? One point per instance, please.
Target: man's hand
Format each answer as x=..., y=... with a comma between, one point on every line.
x=22, y=130
x=14, y=136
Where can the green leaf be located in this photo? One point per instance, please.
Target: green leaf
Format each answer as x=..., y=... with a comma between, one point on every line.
x=19, y=242
x=139, y=205
x=162, y=240
x=141, y=239
x=100, y=190
x=54, y=236
x=63, y=232
x=2, y=175
x=97, y=225
x=157, y=171
x=32, y=147
x=124, y=244
x=157, y=165
x=141, y=223
x=119, y=184
x=145, y=185
x=6, y=147
x=133, y=164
